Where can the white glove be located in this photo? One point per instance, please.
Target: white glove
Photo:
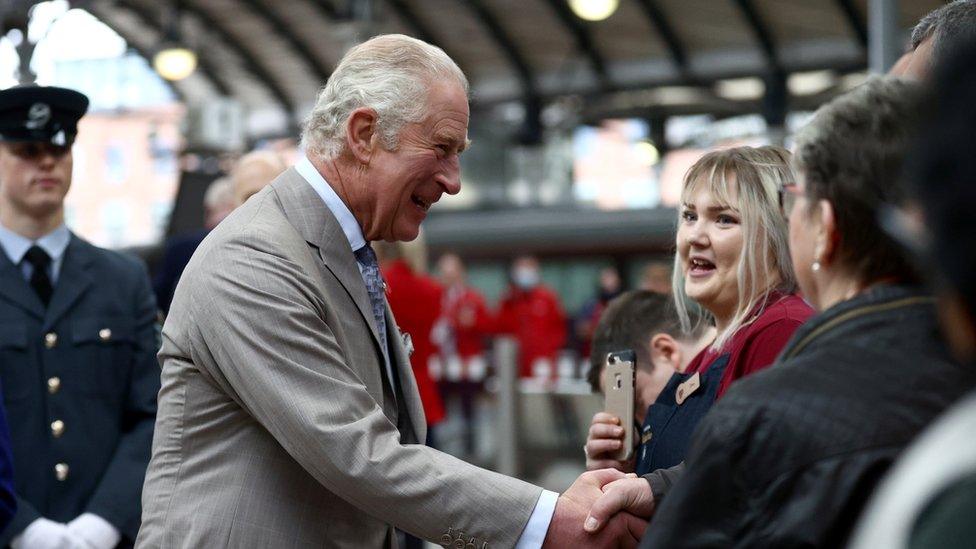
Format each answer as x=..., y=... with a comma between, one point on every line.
x=94, y=532
x=46, y=534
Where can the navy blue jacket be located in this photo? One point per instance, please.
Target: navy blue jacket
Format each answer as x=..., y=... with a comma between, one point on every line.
x=8, y=499
x=80, y=382
x=176, y=254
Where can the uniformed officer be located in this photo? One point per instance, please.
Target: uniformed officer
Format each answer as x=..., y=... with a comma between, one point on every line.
x=77, y=344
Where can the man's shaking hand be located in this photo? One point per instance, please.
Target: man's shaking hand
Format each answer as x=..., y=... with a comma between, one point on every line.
x=573, y=507
x=629, y=494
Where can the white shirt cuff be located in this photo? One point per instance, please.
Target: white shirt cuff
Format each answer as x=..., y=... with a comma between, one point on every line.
x=97, y=531
x=535, y=530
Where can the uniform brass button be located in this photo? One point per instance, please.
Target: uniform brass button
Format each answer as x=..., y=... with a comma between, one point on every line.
x=50, y=340
x=53, y=384
x=57, y=428
x=61, y=471
x=105, y=334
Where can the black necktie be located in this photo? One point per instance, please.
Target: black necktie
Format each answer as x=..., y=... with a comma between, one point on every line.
x=39, y=279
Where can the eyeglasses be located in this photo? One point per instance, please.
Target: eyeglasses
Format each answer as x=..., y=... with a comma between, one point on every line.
x=788, y=193
x=35, y=150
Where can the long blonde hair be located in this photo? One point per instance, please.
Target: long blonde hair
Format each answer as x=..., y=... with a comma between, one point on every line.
x=755, y=176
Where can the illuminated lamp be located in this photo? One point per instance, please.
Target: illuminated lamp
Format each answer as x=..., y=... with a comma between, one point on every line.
x=175, y=63
x=593, y=10
x=647, y=153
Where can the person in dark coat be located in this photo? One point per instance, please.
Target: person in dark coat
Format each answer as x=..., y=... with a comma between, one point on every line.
x=218, y=202
x=929, y=497
x=78, y=339
x=790, y=456
x=8, y=497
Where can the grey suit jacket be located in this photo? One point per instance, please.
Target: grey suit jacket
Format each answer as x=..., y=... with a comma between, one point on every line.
x=277, y=423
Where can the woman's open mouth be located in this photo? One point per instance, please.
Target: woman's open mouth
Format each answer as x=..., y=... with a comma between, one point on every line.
x=698, y=267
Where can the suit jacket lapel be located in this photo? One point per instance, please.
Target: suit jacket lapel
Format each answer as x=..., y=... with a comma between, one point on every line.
x=73, y=281
x=14, y=288
x=408, y=382
x=315, y=222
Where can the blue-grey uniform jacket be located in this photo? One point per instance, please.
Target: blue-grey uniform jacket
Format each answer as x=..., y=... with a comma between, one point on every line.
x=80, y=382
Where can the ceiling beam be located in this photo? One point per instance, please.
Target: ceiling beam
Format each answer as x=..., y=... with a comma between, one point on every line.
x=206, y=66
x=257, y=70
x=659, y=20
x=761, y=32
x=419, y=29
x=531, y=131
x=281, y=29
x=506, y=44
x=417, y=26
x=584, y=41
x=856, y=21
x=140, y=51
x=326, y=8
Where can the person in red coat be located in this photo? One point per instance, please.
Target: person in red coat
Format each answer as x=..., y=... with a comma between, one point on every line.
x=531, y=312
x=465, y=322
x=415, y=299
x=461, y=336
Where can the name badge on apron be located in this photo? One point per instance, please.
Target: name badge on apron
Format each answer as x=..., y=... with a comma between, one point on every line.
x=687, y=388
x=646, y=435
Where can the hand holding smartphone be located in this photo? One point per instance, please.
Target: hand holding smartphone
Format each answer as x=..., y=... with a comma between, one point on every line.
x=619, y=396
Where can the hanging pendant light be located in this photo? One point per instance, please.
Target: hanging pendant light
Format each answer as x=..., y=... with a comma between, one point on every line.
x=594, y=10
x=174, y=61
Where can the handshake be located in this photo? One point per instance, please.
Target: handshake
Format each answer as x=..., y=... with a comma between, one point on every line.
x=611, y=505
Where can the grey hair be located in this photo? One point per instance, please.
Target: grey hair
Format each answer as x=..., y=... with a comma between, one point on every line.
x=851, y=155
x=390, y=74
x=749, y=180
x=947, y=25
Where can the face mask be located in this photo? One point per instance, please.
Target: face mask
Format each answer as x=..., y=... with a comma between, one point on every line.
x=607, y=295
x=525, y=278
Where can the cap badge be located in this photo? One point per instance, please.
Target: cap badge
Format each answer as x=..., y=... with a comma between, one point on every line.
x=38, y=116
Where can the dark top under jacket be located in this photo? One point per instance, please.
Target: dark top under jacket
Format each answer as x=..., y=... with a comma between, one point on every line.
x=790, y=455
x=88, y=361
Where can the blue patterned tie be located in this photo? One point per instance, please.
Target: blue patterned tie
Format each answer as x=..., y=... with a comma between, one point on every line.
x=374, y=287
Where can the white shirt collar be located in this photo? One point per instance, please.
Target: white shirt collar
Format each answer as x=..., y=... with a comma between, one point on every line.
x=354, y=233
x=16, y=246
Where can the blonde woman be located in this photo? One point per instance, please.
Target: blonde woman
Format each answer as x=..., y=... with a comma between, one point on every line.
x=733, y=260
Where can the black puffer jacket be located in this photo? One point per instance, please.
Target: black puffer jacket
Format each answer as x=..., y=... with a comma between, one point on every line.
x=790, y=455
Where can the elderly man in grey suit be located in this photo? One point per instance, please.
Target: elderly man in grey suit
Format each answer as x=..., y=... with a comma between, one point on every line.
x=288, y=415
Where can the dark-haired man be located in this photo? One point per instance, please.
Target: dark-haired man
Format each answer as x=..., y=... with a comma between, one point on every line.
x=77, y=343
x=646, y=323
x=940, y=31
